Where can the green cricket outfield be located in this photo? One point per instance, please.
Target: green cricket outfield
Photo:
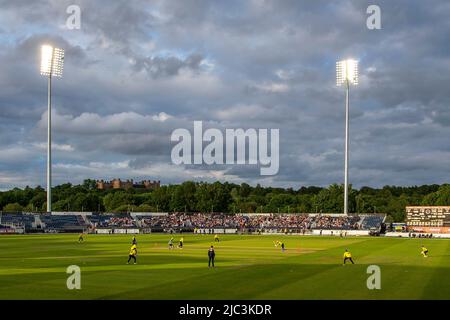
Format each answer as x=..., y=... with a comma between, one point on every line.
x=247, y=267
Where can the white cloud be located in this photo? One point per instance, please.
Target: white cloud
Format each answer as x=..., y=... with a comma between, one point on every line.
x=272, y=87
x=93, y=123
x=284, y=74
x=55, y=146
x=15, y=153
x=162, y=116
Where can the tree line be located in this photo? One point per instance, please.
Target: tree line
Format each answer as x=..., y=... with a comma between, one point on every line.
x=226, y=197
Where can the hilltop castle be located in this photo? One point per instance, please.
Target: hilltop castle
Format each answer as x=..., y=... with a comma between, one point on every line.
x=128, y=184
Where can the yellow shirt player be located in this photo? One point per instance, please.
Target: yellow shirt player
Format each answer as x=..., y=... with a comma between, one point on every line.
x=216, y=238
x=133, y=253
x=348, y=256
x=80, y=237
x=424, y=252
x=180, y=245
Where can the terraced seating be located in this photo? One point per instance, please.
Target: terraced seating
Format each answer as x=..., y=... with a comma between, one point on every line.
x=62, y=222
x=17, y=219
x=370, y=222
x=113, y=221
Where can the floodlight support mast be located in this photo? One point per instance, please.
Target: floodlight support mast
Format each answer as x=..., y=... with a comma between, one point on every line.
x=52, y=63
x=346, y=74
x=49, y=144
x=347, y=99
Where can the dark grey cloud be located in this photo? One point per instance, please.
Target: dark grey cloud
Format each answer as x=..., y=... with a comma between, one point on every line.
x=167, y=66
x=137, y=70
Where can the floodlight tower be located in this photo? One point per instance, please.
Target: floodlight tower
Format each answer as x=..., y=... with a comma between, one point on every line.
x=346, y=74
x=52, y=64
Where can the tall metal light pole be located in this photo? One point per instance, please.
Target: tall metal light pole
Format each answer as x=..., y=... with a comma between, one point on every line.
x=52, y=64
x=346, y=74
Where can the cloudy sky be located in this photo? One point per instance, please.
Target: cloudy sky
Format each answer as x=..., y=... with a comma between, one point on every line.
x=137, y=70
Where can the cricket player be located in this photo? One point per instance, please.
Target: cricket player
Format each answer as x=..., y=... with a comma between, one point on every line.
x=180, y=244
x=424, y=252
x=211, y=256
x=132, y=254
x=348, y=256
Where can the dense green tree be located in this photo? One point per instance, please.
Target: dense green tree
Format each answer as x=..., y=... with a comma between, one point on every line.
x=89, y=184
x=114, y=200
x=226, y=197
x=330, y=200
x=13, y=207
x=280, y=201
x=144, y=208
x=123, y=208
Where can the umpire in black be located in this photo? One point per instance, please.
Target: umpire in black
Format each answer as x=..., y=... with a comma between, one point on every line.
x=211, y=256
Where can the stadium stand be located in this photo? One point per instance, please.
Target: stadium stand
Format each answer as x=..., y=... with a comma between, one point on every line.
x=99, y=220
x=63, y=222
x=371, y=221
x=113, y=221
x=183, y=221
x=17, y=219
x=332, y=222
x=254, y=221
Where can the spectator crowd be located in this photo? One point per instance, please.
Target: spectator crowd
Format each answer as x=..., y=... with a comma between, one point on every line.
x=298, y=221
x=117, y=222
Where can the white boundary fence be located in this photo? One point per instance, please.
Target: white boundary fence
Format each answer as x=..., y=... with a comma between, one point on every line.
x=117, y=231
x=406, y=235
x=338, y=232
x=216, y=230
